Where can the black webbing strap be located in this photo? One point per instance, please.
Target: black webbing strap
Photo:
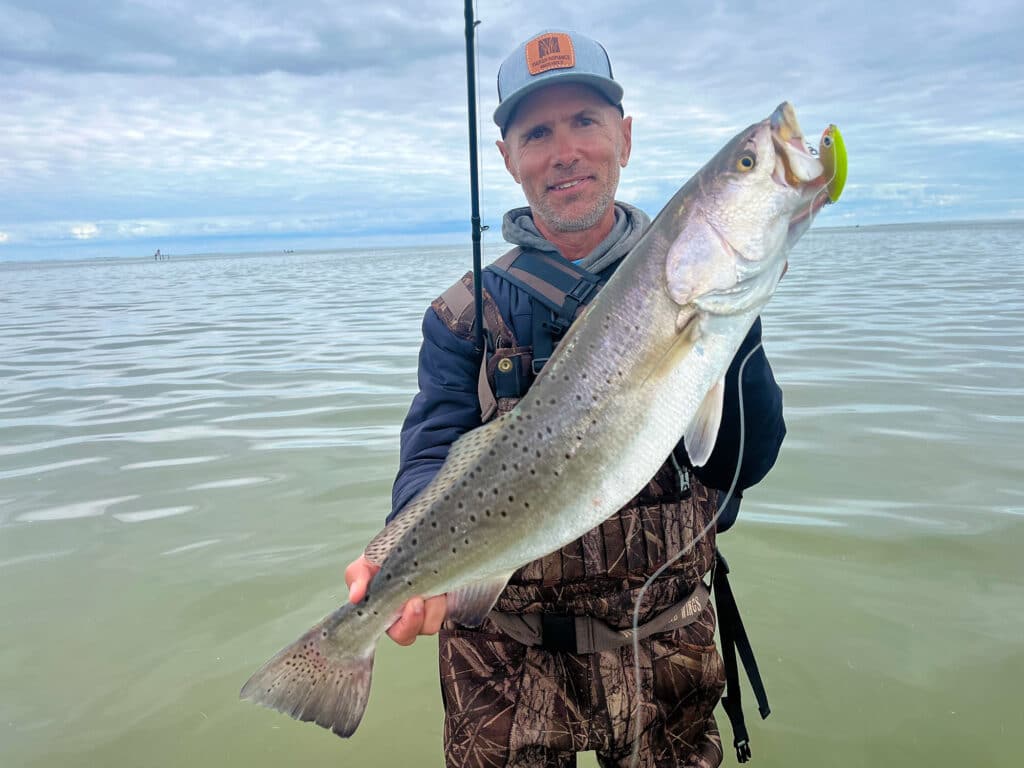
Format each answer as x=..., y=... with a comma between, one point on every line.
x=734, y=638
x=574, y=285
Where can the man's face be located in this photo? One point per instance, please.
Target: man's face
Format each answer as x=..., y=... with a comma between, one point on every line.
x=565, y=146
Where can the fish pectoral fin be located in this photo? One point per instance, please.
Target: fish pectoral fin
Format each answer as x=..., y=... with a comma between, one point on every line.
x=687, y=334
x=702, y=433
x=470, y=605
x=310, y=683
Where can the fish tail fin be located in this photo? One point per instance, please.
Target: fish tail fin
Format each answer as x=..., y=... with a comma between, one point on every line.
x=309, y=682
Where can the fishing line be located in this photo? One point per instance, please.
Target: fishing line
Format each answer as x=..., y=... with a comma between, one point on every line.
x=635, y=755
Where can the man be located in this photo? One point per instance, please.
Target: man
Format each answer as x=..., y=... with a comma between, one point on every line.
x=517, y=702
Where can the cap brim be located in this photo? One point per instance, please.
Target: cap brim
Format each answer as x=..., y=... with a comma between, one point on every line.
x=610, y=89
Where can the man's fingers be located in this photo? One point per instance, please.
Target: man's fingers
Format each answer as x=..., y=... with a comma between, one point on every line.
x=409, y=624
x=357, y=577
x=434, y=612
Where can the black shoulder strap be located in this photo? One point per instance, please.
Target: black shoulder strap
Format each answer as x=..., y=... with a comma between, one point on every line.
x=734, y=639
x=554, y=282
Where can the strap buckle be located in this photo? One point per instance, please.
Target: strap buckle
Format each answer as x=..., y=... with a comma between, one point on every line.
x=558, y=632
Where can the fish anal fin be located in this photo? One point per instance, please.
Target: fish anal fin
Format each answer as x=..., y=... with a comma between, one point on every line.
x=470, y=605
x=306, y=681
x=702, y=433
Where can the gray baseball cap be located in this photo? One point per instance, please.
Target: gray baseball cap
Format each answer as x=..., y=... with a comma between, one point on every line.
x=553, y=56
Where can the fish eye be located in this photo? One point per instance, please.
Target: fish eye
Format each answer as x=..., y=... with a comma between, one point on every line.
x=745, y=162
x=826, y=141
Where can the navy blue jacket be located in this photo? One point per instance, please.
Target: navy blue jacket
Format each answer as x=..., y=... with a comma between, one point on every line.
x=448, y=405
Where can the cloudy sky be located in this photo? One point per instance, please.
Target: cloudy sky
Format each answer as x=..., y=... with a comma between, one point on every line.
x=128, y=125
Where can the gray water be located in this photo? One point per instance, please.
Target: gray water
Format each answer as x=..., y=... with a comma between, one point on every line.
x=193, y=449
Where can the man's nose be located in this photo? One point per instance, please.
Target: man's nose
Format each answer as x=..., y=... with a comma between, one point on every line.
x=566, y=148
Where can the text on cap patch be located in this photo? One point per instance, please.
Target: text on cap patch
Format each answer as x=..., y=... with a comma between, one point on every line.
x=550, y=51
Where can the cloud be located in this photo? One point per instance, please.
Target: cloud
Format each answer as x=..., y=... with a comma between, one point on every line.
x=166, y=118
x=4, y=237
x=84, y=231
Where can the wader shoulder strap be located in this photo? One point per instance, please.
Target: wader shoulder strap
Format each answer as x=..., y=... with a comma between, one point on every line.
x=456, y=309
x=734, y=639
x=555, y=283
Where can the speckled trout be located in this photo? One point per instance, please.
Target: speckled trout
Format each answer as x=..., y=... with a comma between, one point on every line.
x=642, y=368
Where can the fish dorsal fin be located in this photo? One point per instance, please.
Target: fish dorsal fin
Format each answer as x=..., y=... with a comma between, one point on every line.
x=463, y=454
x=703, y=430
x=470, y=605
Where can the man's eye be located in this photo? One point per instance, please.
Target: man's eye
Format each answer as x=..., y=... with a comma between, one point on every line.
x=537, y=133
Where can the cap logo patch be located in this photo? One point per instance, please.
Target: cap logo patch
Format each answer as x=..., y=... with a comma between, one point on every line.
x=551, y=51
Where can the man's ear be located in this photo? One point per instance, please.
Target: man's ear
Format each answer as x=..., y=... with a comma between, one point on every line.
x=507, y=157
x=627, y=140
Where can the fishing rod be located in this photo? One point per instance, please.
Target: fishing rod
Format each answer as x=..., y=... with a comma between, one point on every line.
x=474, y=180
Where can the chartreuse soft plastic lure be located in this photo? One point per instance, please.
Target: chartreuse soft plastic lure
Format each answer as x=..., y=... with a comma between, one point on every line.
x=832, y=152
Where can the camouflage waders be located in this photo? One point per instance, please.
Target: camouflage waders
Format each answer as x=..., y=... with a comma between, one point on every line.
x=509, y=704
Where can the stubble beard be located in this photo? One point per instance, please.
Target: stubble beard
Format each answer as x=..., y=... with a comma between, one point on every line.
x=558, y=222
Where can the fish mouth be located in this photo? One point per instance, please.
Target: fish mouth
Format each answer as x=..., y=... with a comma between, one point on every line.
x=797, y=165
